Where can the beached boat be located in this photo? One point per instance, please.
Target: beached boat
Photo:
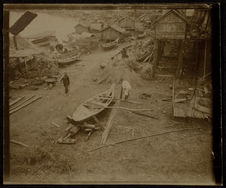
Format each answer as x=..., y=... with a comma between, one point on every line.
x=94, y=105
x=68, y=59
x=110, y=45
x=141, y=36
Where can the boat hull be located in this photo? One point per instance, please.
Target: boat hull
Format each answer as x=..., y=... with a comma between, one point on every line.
x=94, y=105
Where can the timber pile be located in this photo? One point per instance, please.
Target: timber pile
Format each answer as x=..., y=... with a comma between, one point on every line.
x=22, y=102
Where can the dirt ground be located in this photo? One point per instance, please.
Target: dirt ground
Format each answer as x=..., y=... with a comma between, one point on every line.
x=182, y=157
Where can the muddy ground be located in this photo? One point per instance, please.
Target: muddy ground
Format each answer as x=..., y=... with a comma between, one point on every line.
x=182, y=157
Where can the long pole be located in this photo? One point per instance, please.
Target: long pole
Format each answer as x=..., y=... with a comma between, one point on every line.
x=204, y=67
x=6, y=134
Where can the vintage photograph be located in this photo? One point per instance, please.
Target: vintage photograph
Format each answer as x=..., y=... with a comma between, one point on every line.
x=116, y=94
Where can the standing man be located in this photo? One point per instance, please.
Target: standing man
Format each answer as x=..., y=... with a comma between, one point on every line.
x=66, y=82
x=125, y=90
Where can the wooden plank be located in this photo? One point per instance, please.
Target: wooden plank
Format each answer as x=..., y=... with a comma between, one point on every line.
x=108, y=125
x=14, y=107
x=25, y=104
x=19, y=143
x=55, y=124
x=15, y=101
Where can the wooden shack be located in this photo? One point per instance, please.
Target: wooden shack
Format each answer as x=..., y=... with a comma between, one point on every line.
x=112, y=33
x=80, y=28
x=171, y=25
x=170, y=29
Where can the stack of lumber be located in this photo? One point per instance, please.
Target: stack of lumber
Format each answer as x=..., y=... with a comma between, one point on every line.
x=22, y=102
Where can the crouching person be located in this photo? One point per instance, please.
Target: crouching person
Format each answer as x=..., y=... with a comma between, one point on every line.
x=125, y=90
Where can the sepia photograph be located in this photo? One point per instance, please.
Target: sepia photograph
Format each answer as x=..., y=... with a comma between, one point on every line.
x=110, y=94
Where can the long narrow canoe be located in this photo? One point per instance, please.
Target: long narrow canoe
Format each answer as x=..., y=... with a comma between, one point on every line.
x=94, y=105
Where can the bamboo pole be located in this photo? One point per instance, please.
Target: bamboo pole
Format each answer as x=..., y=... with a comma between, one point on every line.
x=139, y=138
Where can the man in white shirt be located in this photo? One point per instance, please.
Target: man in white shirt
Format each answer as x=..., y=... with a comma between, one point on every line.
x=125, y=90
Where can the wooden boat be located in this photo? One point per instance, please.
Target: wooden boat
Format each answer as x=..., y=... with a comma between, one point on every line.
x=67, y=59
x=94, y=105
x=110, y=45
x=141, y=36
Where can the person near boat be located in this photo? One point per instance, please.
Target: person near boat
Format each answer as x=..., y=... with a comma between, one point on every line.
x=125, y=90
x=66, y=82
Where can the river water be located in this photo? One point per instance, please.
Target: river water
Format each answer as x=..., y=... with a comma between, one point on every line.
x=44, y=22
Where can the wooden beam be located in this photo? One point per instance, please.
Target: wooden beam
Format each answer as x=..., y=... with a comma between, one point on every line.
x=25, y=104
x=204, y=66
x=14, y=107
x=142, y=137
x=15, y=101
x=109, y=125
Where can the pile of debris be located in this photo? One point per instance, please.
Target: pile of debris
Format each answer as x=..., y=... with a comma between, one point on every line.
x=195, y=102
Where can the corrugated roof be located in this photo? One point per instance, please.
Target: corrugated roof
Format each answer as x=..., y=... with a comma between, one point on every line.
x=22, y=22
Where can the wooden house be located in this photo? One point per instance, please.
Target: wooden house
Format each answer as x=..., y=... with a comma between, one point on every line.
x=80, y=28
x=112, y=33
x=172, y=25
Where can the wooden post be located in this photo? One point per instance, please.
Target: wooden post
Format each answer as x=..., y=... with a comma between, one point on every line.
x=6, y=129
x=26, y=71
x=180, y=59
x=204, y=67
x=155, y=55
x=15, y=42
